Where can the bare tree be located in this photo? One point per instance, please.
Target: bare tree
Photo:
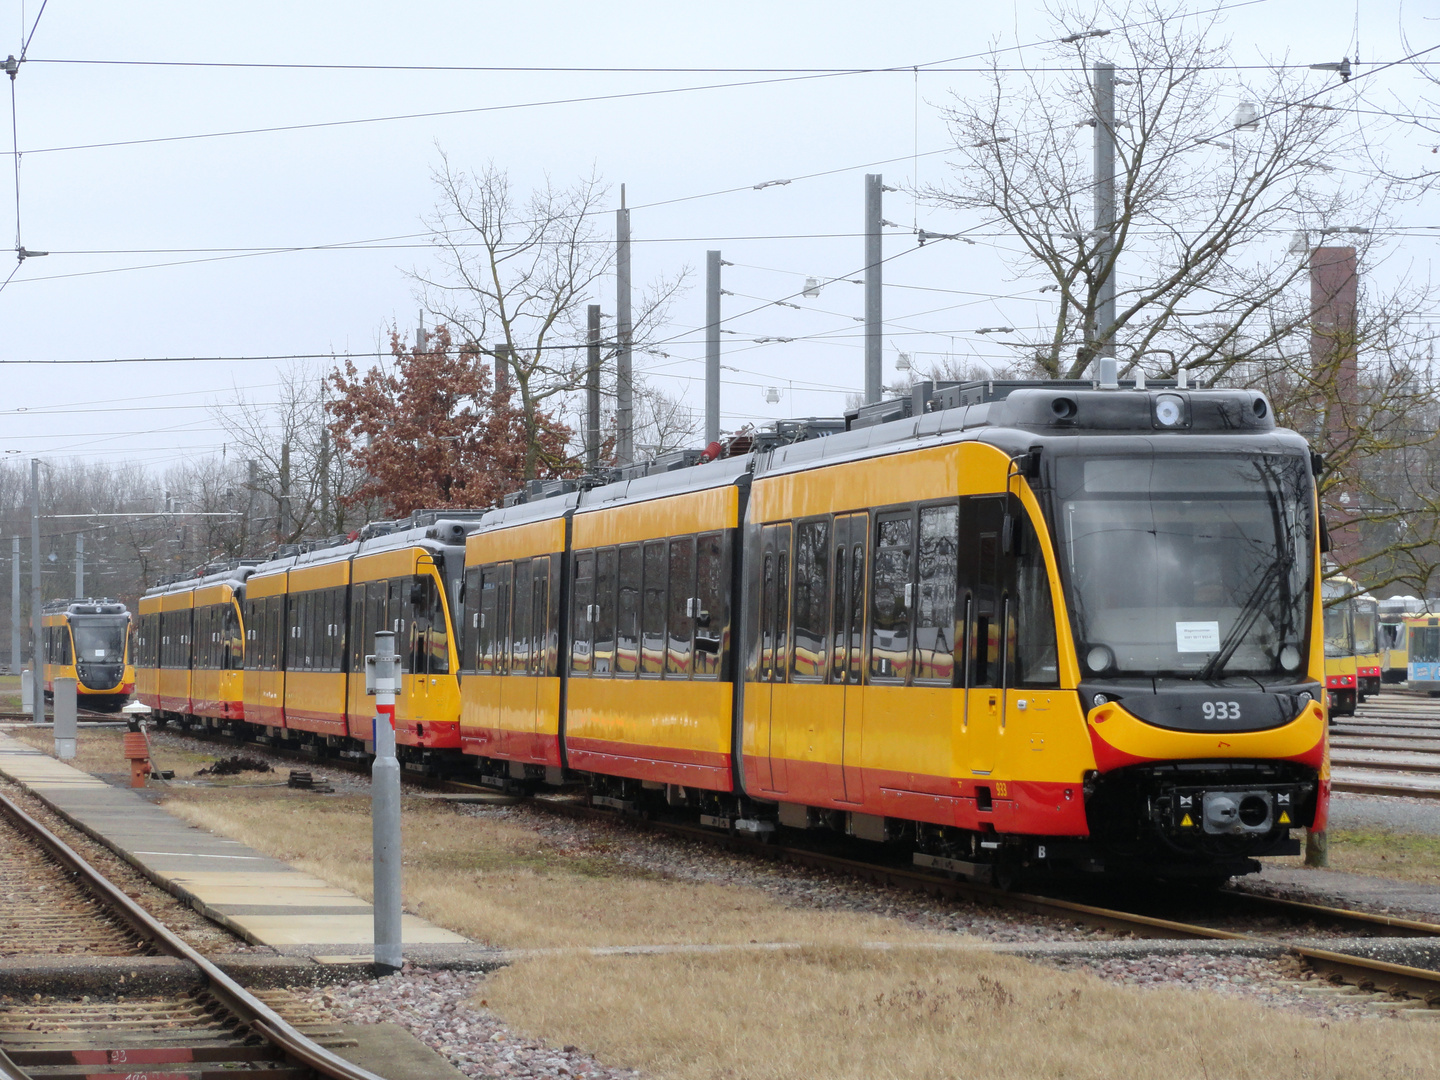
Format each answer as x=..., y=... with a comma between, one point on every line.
x=513, y=279
x=1207, y=194
x=301, y=486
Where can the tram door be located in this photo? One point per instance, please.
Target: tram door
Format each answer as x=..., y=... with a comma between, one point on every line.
x=539, y=646
x=980, y=576
x=847, y=652
x=774, y=650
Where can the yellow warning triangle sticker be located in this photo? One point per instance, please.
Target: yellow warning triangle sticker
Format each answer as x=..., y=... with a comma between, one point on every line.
x=1284, y=818
x=1185, y=822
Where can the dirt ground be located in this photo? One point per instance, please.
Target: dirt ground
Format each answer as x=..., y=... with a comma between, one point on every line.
x=838, y=1007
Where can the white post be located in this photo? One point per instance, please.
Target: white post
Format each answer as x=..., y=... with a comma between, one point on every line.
x=65, y=718
x=381, y=672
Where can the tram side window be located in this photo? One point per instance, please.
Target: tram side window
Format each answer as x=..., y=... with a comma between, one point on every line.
x=603, y=650
x=468, y=631
x=582, y=613
x=652, y=610
x=520, y=619
x=1035, y=661
x=711, y=620
x=627, y=612
x=279, y=645
x=541, y=642
x=67, y=655
x=681, y=607
x=486, y=619
x=890, y=596
x=811, y=604
x=397, y=619
x=356, y=629
x=341, y=639
x=935, y=608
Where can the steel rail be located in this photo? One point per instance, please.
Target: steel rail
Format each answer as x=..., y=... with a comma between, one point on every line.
x=249, y=1009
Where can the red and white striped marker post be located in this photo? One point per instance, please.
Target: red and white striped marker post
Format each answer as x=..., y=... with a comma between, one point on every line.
x=381, y=678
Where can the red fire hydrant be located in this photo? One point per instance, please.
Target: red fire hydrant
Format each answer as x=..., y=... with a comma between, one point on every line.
x=137, y=749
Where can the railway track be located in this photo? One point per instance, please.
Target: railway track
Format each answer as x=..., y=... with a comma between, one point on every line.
x=1391, y=746
x=1402, y=981
x=178, y=1017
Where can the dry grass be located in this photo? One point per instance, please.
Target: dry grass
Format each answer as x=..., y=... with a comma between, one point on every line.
x=845, y=1013
x=1378, y=853
x=503, y=884
x=1407, y=856
x=98, y=752
x=10, y=693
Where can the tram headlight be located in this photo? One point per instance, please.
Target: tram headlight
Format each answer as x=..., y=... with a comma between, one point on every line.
x=1100, y=659
x=1169, y=410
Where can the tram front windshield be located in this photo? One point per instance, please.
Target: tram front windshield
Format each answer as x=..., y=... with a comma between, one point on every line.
x=100, y=640
x=1367, y=629
x=1192, y=567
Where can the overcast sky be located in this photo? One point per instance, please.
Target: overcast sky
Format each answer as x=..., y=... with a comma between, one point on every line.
x=142, y=237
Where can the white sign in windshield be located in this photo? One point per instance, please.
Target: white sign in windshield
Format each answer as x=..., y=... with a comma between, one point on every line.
x=1197, y=636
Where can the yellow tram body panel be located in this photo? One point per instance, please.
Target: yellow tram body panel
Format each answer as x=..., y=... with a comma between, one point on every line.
x=265, y=688
x=218, y=692
x=668, y=730
x=427, y=707
x=176, y=612
x=315, y=700
x=512, y=717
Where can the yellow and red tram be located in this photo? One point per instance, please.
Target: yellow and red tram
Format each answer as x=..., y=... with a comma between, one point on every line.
x=89, y=641
x=1004, y=625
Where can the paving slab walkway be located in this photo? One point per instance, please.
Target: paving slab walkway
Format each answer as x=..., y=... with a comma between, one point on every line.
x=263, y=900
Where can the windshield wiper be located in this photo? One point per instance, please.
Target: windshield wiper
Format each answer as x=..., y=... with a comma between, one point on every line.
x=1246, y=619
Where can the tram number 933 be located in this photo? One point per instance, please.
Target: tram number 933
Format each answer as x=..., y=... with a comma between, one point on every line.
x=1220, y=710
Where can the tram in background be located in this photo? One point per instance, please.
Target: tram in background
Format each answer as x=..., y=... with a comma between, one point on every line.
x=89, y=641
x=1341, y=671
x=1366, y=620
x=1394, y=643
x=1422, y=639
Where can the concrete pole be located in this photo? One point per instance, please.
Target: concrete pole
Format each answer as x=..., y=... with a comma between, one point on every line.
x=252, y=481
x=712, y=347
x=385, y=810
x=624, y=401
x=592, y=390
x=1105, y=221
x=15, y=604
x=66, y=703
x=284, y=492
x=79, y=566
x=37, y=651
x=874, y=254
